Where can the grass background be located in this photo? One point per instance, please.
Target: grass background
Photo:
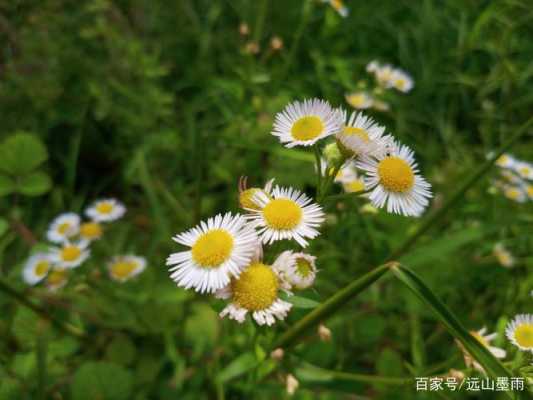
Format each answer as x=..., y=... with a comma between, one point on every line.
x=159, y=104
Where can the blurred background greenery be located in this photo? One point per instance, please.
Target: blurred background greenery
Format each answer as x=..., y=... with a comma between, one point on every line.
x=164, y=104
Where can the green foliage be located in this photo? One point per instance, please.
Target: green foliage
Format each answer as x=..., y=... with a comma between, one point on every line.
x=101, y=380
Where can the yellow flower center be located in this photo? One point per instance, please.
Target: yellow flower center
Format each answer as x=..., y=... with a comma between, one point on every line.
x=479, y=338
x=355, y=186
x=396, y=175
x=122, y=269
x=70, y=253
x=502, y=160
x=91, y=230
x=56, y=277
x=361, y=133
x=529, y=190
x=307, y=128
x=42, y=268
x=524, y=170
x=212, y=248
x=282, y=214
x=104, y=207
x=337, y=4
x=356, y=100
x=523, y=335
x=400, y=83
x=512, y=193
x=256, y=288
x=303, y=267
x=246, y=198
x=63, y=228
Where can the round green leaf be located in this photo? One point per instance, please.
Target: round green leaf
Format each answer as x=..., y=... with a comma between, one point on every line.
x=103, y=381
x=22, y=153
x=7, y=186
x=34, y=184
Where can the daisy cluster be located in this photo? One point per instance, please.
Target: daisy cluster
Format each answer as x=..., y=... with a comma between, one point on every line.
x=385, y=77
x=224, y=255
x=516, y=178
x=72, y=238
x=362, y=157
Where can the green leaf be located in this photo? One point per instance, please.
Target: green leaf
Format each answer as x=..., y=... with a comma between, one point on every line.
x=302, y=302
x=4, y=226
x=202, y=328
x=103, y=381
x=22, y=153
x=121, y=350
x=7, y=186
x=237, y=367
x=34, y=184
x=493, y=367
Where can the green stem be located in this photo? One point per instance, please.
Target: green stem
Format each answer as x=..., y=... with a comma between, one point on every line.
x=458, y=194
x=260, y=21
x=19, y=297
x=330, y=306
x=318, y=170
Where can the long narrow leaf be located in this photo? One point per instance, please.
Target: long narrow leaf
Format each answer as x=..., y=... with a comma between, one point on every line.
x=491, y=365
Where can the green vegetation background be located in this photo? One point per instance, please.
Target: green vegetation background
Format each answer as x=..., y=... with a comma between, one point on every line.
x=159, y=104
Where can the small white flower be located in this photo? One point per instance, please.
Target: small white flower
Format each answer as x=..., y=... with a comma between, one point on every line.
x=360, y=100
x=361, y=135
x=291, y=384
x=395, y=182
x=515, y=193
x=304, y=123
x=70, y=254
x=504, y=257
x=106, y=210
x=401, y=80
x=63, y=227
x=505, y=161
x=255, y=291
x=56, y=279
x=338, y=5
x=298, y=269
x=372, y=66
x=324, y=333
x=219, y=249
x=90, y=231
x=482, y=337
x=124, y=268
x=246, y=194
x=36, y=268
x=524, y=169
x=286, y=214
x=520, y=332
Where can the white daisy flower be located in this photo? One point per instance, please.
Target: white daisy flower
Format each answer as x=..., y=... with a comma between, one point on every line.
x=515, y=193
x=351, y=181
x=219, y=249
x=520, y=332
x=123, y=268
x=504, y=257
x=246, y=194
x=482, y=337
x=506, y=161
x=401, y=80
x=298, y=269
x=304, y=123
x=384, y=75
x=524, y=169
x=91, y=230
x=70, y=254
x=372, y=66
x=287, y=214
x=360, y=100
x=36, y=268
x=361, y=135
x=528, y=188
x=63, y=227
x=106, y=210
x=56, y=279
x=255, y=291
x=380, y=105
x=394, y=181
x=338, y=5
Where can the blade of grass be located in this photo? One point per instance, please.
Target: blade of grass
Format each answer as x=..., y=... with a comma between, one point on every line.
x=330, y=306
x=491, y=364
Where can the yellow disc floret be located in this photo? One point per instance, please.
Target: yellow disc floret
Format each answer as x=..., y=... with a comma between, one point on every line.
x=307, y=128
x=246, y=198
x=360, y=133
x=355, y=186
x=104, y=207
x=91, y=230
x=524, y=335
x=212, y=248
x=396, y=175
x=70, y=253
x=63, y=228
x=303, y=267
x=42, y=268
x=256, y=288
x=122, y=269
x=56, y=277
x=282, y=214
x=479, y=338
